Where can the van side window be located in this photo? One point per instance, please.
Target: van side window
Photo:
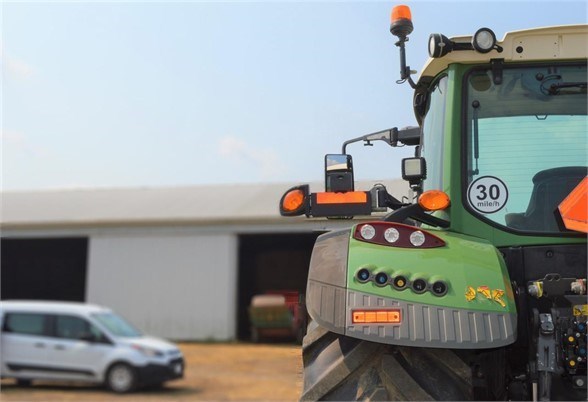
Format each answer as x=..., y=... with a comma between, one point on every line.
x=71, y=327
x=26, y=323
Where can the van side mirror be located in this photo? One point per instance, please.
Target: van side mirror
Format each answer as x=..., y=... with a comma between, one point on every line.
x=414, y=170
x=338, y=173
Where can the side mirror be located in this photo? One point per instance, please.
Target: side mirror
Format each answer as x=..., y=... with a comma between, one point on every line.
x=414, y=170
x=338, y=173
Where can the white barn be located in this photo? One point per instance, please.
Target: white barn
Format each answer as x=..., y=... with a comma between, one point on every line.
x=182, y=263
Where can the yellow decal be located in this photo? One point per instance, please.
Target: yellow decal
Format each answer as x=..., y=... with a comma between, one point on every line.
x=470, y=294
x=485, y=290
x=494, y=295
x=497, y=297
x=581, y=310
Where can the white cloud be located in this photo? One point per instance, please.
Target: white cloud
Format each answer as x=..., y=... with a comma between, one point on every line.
x=15, y=141
x=265, y=160
x=15, y=67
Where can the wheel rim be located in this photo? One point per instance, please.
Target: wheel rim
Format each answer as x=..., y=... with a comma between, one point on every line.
x=121, y=378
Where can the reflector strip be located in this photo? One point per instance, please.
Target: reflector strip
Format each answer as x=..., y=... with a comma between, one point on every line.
x=376, y=317
x=574, y=209
x=350, y=197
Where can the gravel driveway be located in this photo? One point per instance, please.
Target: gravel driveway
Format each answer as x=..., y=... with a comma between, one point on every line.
x=214, y=372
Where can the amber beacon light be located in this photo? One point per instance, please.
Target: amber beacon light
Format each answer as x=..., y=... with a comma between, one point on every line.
x=401, y=21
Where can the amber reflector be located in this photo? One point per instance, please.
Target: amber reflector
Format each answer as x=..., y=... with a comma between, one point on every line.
x=293, y=200
x=376, y=317
x=352, y=197
x=434, y=200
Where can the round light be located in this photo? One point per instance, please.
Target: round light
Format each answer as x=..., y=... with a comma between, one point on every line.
x=439, y=288
x=419, y=285
x=439, y=45
x=434, y=200
x=417, y=238
x=363, y=275
x=293, y=200
x=367, y=232
x=391, y=235
x=399, y=282
x=484, y=40
x=381, y=279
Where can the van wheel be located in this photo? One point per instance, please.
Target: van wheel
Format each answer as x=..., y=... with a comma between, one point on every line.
x=121, y=378
x=341, y=368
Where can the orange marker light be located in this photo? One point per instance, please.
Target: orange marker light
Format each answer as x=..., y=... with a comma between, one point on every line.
x=376, y=317
x=400, y=12
x=358, y=197
x=293, y=200
x=434, y=200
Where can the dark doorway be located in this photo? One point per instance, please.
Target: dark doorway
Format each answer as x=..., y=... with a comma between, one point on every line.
x=44, y=269
x=271, y=262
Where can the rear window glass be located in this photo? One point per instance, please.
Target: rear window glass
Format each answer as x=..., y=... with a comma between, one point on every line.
x=26, y=323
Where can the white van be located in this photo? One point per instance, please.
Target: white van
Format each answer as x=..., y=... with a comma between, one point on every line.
x=81, y=342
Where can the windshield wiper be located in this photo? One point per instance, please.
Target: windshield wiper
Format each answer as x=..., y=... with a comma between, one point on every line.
x=554, y=89
x=476, y=106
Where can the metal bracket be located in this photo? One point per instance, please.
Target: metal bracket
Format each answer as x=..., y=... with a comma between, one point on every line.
x=546, y=355
x=497, y=66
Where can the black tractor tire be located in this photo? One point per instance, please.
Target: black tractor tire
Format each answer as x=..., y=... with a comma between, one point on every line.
x=341, y=368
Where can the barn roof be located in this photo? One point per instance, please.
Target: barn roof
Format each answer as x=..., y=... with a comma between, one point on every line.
x=214, y=204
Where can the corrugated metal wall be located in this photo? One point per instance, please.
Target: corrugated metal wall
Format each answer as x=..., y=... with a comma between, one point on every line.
x=177, y=287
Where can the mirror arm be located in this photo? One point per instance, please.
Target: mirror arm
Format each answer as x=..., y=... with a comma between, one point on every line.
x=384, y=135
x=414, y=211
x=406, y=136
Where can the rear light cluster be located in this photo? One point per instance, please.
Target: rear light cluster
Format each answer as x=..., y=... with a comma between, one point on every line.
x=396, y=235
x=401, y=282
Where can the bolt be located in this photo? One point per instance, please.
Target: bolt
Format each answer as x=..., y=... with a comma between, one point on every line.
x=549, y=254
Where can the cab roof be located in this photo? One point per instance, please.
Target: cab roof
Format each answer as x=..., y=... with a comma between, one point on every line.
x=564, y=42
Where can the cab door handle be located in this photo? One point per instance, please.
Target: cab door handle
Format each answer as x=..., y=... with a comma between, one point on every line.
x=59, y=347
x=39, y=345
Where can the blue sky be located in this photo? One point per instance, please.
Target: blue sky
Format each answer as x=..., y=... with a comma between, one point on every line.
x=126, y=94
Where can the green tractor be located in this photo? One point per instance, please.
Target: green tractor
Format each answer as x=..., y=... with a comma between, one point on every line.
x=474, y=287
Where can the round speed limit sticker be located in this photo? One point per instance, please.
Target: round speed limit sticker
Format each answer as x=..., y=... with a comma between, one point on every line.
x=487, y=194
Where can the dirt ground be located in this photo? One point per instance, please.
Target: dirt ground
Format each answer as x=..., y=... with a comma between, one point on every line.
x=214, y=372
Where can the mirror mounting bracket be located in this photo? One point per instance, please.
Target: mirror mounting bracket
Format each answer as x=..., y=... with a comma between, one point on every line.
x=406, y=136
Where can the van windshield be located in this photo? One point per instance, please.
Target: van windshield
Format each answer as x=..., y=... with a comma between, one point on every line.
x=526, y=144
x=116, y=325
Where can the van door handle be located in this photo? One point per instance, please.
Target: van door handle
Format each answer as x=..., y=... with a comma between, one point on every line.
x=59, y=347
x=39, y=345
